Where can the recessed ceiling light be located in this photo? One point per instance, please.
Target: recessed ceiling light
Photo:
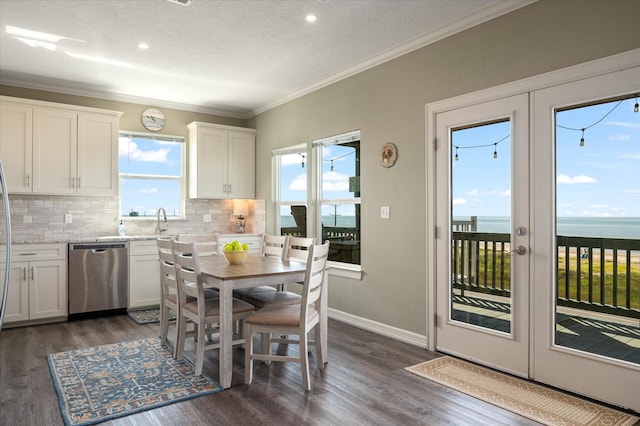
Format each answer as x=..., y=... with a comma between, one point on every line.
x=143, y=46
x=311, y=17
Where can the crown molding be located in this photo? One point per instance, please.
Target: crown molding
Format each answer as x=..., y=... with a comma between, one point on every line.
x=491, y=12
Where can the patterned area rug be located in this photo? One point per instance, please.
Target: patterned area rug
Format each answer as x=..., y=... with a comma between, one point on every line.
x=105, y=382
x=148, y=316
x=522, y=397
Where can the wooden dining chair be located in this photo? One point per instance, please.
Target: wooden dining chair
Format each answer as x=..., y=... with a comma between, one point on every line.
x=298, y=319
x=168, y=290
x=272, y=246
x=296, y=249
x=204, y=312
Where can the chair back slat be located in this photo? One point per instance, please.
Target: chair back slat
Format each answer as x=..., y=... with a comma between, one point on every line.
x=167, y=267
x=273, y=245
x=188, y=269
x=208, y=244
x=298, y=248
x=314, y=276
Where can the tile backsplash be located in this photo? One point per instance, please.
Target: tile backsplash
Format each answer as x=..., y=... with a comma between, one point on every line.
x=41, y=218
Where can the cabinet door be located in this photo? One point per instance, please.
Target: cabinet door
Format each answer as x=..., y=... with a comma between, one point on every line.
x=55, y=139
x=16, y=146
x=241, y=165
x=144, y=281
x=18, y=293
x=47, y=289
x=208, y=179
x=97, y=154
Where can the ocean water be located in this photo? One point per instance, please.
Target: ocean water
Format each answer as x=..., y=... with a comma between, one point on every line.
x=608, y=227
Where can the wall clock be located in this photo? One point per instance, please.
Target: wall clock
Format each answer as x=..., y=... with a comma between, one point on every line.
x=388, y=155
x=153, y=119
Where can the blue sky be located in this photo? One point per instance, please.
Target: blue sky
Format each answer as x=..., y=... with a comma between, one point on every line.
x=150, y=157
x=599, y=179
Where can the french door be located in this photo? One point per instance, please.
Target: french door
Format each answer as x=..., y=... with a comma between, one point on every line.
x=483, y=294
x=508, y=293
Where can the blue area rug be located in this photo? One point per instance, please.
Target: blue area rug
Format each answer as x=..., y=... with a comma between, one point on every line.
x=105, y=382
x=148, y=316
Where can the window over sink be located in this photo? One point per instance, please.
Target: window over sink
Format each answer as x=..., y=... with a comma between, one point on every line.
x=151, y=170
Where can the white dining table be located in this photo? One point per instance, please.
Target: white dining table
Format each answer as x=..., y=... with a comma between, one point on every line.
x=255, y=271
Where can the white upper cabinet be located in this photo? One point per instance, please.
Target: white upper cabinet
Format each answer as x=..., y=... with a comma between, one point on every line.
x=16, y=128
x=221, y=161
x=48, y=148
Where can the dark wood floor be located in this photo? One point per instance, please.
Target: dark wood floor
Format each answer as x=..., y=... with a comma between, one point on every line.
x=363, y=384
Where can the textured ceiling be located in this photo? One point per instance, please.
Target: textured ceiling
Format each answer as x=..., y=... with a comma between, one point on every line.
x=231, y=57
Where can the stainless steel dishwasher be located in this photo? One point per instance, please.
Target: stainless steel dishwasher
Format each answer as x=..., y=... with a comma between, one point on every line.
x=98, y=277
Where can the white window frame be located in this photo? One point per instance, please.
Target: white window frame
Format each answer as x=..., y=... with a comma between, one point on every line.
x=181, y=178
x=276, y=155
x=346, y=270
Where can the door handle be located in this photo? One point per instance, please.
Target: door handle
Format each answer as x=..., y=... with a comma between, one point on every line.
x=520, y=250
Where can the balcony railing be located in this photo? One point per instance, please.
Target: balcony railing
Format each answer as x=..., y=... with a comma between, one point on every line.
x=595, y=274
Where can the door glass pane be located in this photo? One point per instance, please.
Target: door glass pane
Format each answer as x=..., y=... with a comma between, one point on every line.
x=597, y=222
x=481, y=224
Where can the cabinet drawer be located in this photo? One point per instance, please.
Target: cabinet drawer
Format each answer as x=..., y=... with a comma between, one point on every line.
x=28, y=252
x=141, y=248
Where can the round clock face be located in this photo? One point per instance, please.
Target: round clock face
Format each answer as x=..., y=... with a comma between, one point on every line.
x=153, y=119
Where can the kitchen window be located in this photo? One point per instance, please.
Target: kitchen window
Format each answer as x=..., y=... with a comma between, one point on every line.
x=151, y=170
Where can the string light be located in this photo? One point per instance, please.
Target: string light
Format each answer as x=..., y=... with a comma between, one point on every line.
x=337, y=158
x=635, y=109
x=303, y=157
x=495, y=147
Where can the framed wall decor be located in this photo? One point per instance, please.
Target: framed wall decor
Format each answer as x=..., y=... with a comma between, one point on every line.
x=388, y=155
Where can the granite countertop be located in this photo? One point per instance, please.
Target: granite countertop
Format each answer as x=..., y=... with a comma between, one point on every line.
x=119, y=238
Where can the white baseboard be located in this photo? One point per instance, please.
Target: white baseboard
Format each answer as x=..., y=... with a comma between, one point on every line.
x=404, y=336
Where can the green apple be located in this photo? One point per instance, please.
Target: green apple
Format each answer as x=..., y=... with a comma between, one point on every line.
x=237, y=248
x=235, y=243
x=227, y=247
x=245, y=246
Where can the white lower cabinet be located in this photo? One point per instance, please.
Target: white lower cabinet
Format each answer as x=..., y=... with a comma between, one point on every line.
x=144, y=274
x=37, y=282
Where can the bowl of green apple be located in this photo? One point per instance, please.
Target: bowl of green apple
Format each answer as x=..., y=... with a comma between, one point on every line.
x=235, y=253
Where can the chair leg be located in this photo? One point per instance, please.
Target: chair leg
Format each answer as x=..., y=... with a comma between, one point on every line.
x=318, y=344
x=265, y=339
x=304, y=362
x=248, y=353
x=180, y=337
x=200, y=350
x=164, y=324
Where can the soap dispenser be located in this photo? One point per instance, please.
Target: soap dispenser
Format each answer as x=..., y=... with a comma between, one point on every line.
x=121, y=229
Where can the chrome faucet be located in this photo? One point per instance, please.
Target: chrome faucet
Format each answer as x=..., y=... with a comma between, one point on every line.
x=159, y=227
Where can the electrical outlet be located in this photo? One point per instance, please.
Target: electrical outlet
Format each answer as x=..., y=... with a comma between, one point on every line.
x=206, y=218
x=68, y=218
x=384, y=212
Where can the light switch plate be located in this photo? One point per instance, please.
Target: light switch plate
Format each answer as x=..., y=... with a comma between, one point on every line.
x=384, y=212
x=68, y=218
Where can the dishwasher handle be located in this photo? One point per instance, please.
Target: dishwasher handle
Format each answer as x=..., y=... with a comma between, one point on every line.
x=97, y=248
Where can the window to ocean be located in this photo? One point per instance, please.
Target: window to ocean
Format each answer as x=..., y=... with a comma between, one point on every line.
x=338, y=165
x=290, y=182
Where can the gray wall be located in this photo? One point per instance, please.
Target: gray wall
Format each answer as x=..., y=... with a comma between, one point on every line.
x=387, y=103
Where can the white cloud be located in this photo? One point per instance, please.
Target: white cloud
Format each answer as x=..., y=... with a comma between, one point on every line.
x=149, y=190
x=458, y=201
x=299, y=183
x=292, y=160
x=575, y=179
x=623, y=124
x=334, y=181
x=131, y=150
x=506, y=193
x=633, y=156
x=619, y=137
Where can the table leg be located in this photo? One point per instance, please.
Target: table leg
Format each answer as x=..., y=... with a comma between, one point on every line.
x=226, y=334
